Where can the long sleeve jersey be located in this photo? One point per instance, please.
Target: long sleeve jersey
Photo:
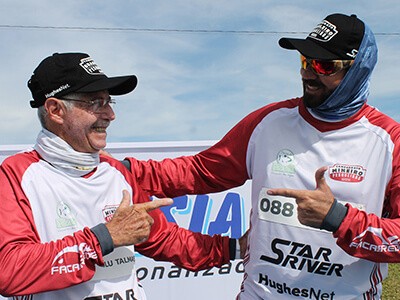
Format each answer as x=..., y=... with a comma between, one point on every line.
x=281, y=146
x=47, y=250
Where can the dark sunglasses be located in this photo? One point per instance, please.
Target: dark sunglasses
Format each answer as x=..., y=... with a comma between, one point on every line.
x=325, y=67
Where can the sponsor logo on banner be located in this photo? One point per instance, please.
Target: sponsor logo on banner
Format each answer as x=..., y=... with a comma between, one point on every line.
x=347, y=173
x=225, y=216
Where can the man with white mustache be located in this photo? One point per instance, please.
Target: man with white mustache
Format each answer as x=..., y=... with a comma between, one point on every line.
x=64, y=234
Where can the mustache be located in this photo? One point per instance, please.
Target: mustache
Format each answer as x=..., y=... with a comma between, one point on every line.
x=312, y=82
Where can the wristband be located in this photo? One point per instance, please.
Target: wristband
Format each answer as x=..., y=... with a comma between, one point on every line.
x=334, y=217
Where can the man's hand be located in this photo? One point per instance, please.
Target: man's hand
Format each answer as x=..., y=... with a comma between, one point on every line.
x=243, y=244
x=312, y=206
x=131, y=224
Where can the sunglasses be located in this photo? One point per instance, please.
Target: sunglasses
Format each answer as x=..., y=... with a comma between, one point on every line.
x=325, y=67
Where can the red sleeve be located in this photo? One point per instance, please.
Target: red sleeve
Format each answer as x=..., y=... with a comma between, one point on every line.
x=369, y=237
x=27, y=265
x=199, y=174
x=221, y=167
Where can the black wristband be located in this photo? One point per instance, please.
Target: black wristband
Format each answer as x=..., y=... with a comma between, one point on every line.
x=104, y=238
x=334, y=217
x=232, y=249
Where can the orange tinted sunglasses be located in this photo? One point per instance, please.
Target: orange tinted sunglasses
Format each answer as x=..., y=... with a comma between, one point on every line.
x=325, y=67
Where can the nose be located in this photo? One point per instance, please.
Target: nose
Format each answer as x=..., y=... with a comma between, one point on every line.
x=108, y=112
x=307, y=73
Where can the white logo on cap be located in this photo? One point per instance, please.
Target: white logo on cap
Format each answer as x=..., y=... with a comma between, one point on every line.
x=56, y=91
x=353, y=53
x=90, y=66
x=324, y=31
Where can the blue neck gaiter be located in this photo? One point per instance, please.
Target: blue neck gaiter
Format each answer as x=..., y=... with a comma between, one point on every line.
x=353, y=90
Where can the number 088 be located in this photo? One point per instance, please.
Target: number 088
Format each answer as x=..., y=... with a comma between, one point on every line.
x=276, y=207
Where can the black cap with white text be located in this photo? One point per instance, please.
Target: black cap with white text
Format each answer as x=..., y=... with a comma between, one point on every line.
x=338, y=36
x=64, y=73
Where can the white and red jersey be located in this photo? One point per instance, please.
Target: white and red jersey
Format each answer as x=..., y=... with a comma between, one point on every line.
x=47, y=250
x=281, y=146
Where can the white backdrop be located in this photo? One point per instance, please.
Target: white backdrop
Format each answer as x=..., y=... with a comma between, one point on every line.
x=226, y=213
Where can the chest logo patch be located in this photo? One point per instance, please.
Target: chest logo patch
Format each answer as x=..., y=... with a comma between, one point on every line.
x=65, y=216
x=347, y=173
x=284, y=163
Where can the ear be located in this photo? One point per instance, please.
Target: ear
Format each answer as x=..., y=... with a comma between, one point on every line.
x=56, y=110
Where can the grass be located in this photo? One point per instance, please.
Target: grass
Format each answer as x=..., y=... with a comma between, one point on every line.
x=391, y=285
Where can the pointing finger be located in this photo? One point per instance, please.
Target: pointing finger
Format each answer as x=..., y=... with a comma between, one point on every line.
x=285, y=192
x=149, y=206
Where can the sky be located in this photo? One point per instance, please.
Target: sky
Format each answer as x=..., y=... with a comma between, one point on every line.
x=201, y=65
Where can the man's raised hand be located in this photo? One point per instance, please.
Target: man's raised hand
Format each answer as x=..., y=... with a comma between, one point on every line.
x=312, y=205
x=131, y=224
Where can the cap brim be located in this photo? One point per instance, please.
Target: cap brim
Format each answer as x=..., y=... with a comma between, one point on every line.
x=307, y=47
x=115, y=85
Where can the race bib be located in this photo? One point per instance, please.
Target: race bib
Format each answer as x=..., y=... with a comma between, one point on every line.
x=283, y=210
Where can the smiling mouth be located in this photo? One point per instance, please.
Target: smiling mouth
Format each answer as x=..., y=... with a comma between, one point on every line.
x=311, y=85
x=100, y=129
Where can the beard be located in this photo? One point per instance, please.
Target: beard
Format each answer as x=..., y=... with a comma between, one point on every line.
x=315, y=93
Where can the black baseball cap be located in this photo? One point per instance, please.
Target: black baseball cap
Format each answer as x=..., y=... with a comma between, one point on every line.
x=338, y=36
x=64, y=73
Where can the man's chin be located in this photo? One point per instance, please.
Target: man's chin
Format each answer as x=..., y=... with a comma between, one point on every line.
x=313, y=101
x=97, y=146
x=310, y=101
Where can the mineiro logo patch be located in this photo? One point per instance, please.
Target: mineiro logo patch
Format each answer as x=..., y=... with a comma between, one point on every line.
x=60, y=265
x=90, y=66
x=347, y=173
x=108, y=212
